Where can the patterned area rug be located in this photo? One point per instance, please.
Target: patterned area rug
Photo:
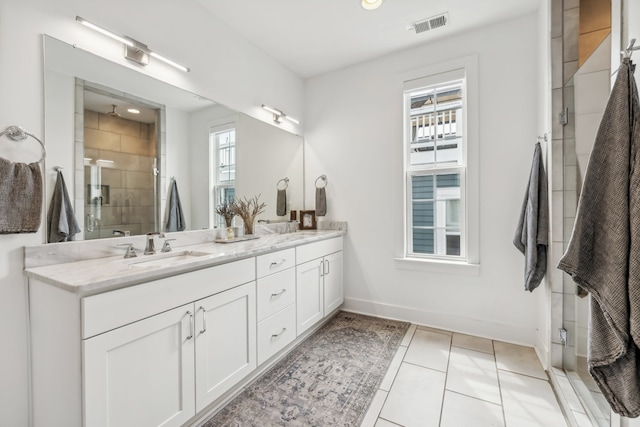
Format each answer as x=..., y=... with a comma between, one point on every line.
x=327, y=380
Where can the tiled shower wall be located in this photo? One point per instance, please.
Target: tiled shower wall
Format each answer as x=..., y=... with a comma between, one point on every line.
x=131, y=146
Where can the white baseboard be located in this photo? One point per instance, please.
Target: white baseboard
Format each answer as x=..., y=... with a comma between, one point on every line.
x=514, y=334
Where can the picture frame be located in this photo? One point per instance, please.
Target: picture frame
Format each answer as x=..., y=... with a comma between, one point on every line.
x=307, y=220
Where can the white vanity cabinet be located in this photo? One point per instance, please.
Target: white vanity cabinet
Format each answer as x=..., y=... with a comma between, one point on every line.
x=141, y=374
x=165, y=351
x=276, y=289
x=319, y=284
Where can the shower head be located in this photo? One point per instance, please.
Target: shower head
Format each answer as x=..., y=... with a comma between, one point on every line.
x=114, y=112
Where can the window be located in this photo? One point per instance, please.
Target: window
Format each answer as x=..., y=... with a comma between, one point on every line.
x=435, y=167
x=222, y=141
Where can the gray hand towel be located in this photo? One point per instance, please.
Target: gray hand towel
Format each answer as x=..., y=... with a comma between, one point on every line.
x=20, y=197
x=533, y=227
x=321, y=201
x=61, y=221
x=175, y=222
x=603, y=255
x=281, y=203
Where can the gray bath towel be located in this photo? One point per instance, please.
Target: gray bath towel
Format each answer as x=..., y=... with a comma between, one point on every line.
x=61, y=221
x=281, y=203
x=321, y=201
x=175, y=220
x=20, y=197
x=603, y=255
x=531, y=236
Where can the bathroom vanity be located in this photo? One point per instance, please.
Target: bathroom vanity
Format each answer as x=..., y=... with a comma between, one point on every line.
x=167, y=339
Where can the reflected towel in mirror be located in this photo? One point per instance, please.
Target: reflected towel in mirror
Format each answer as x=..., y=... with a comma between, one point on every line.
x=281, y=203
x=62, y=224
x=175, y=220
x=20, y=197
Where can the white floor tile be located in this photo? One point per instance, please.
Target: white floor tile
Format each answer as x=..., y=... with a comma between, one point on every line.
x=415, y=398
x=459, y=410
x=387, y=381
x=529, y=402
x=518, y=359
x=472, y=343
x=473, y=374
x=374, y=409
x=429, y=349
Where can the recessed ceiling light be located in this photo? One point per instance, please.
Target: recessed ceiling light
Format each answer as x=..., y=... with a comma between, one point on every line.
x=133, y=111
x=371, y=4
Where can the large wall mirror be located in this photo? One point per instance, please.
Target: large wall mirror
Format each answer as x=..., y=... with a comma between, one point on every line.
x=123, y=138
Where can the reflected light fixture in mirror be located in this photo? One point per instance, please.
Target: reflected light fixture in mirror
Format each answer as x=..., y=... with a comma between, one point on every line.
x=371, y=4
x=278, y=115
x=134, y=50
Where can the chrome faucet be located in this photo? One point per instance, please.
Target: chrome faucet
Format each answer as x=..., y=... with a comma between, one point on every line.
x=130, y=253
x=125, y=233
x=150, y=248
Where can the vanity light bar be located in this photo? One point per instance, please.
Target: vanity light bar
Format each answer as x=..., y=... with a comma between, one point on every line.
x=131, y=43
x=278, y=115
x=103, y=31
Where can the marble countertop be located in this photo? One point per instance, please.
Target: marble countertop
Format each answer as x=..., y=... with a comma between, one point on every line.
x=102, y=274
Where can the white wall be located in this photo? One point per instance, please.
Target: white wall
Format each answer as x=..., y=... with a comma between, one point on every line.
x=353, y=133
x=182, y=31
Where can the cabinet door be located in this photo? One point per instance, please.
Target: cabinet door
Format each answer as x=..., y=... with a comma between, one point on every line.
x=333, y=285
x=309, y=294
x=225, y=341
x=141, y=374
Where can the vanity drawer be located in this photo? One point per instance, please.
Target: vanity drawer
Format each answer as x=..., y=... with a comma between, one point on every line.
x=316, y=250
x=275, y=292
x=275, y=332
x=275, y=261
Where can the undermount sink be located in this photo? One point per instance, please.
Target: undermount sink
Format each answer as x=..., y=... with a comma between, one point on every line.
x=167, y=259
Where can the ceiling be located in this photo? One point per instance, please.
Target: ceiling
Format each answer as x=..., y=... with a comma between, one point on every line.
x=314, y=37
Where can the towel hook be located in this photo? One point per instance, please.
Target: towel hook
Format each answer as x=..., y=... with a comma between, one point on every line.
x=16, y=133
x=630, y=48
x=322, y=177
x=58, y=168
x=286, y=183
x=544, y=138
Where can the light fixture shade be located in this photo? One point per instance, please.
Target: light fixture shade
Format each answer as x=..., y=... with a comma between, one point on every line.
x=371, y=4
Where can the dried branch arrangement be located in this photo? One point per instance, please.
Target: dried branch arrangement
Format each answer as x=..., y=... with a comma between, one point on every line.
x=226, y=211
x=248, y=210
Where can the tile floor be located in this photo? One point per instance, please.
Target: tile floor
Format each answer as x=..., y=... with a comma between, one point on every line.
x=439, y=378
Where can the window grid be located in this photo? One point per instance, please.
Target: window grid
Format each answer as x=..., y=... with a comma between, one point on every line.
x=435, y=171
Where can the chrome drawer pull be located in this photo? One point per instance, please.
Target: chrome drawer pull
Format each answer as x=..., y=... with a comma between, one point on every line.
x=279, y=333
x=204, y=320
x=190, y=325
x=277, y=264
x=277, y=294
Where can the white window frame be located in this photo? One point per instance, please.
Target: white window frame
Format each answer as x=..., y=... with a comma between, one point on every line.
x=216, y=128
x=468, y=262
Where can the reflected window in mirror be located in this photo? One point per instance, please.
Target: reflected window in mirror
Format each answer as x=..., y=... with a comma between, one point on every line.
x=223, y=168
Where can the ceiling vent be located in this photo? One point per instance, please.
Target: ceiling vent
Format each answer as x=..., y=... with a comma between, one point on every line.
x=431, y=23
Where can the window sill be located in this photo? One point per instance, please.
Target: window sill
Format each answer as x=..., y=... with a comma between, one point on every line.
x=438, y=266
